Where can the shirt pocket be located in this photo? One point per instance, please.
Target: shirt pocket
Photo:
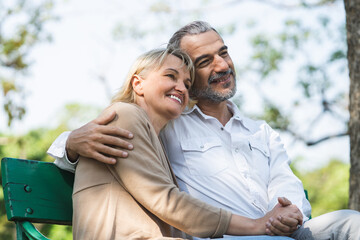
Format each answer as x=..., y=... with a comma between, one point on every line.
x=259, y=147
x=204, y=156
x=260, y=157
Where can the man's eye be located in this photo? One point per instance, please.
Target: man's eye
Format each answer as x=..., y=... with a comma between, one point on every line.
x=203, y=63
x=224, y=54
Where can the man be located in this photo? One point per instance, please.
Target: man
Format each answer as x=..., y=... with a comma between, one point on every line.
x=218, y=155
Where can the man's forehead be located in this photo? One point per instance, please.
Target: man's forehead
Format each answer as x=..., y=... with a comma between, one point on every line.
x=203, y=43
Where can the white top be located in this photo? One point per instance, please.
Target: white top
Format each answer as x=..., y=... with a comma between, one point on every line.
x=242, y=167
x=57, y=151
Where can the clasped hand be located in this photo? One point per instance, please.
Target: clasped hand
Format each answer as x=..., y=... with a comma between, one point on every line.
x=283, y=219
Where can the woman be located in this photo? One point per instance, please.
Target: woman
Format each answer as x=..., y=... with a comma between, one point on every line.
x=138, y=197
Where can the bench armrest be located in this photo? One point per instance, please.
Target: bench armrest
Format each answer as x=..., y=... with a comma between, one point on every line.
x=30, y=231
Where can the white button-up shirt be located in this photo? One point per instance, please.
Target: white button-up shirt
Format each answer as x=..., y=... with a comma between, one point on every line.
x=242, y=166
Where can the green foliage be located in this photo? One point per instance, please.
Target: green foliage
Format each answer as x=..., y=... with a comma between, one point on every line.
x=33, y=145
x=266, y=57
x=21, y=28
x=274, y=117
x=328, y=187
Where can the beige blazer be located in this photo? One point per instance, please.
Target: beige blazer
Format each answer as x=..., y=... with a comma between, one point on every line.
x=138, y=197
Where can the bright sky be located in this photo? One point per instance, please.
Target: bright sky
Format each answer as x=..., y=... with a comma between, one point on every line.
x=83, y=48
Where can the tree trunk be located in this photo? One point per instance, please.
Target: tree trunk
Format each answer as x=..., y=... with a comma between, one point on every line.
x=352, y=8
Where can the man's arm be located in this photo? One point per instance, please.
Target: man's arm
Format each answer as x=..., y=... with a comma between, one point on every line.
x=283, y=181
x=94, y=140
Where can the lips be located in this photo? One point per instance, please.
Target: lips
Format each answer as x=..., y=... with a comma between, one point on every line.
x=221, y=79
x=221, y=76
x=176, y=97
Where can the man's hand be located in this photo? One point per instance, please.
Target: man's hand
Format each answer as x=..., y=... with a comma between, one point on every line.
x=284, y=218
x=98, y=141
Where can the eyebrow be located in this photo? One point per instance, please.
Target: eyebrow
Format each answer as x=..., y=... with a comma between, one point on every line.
x=198, y=59
x=173, y=70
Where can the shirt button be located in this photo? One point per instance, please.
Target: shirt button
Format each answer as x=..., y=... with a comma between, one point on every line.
x=202, y=146
x=222, y=129
x=236, y=150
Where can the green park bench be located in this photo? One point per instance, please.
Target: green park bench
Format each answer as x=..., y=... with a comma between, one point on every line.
x=36, y=192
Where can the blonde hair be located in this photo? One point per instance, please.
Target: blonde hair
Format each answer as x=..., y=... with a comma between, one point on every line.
x=150, y=61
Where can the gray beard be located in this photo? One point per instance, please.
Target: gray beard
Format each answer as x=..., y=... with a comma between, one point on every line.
x=210, y=95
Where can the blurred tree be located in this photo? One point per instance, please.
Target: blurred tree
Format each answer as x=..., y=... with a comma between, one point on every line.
x=21, y=28
x=300, y=40
x=352, y=8
x=33, y=145
x=328, y=187
x=296, y=41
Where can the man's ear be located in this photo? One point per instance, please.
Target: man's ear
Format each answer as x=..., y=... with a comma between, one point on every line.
x=137, y=85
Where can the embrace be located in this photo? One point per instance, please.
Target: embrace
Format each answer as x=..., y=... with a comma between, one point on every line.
x=173, y=157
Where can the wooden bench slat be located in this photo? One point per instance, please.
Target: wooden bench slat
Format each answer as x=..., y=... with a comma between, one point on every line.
x=37, y=191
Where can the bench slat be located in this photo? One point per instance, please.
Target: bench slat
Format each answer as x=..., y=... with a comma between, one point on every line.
x=37, y=191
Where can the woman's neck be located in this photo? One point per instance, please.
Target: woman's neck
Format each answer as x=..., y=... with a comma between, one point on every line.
x=157, y=121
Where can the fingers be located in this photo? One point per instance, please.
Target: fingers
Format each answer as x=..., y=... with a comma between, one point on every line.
x=283, y=225
x=111, y=150
x=106, y=118
x=103, y=158
x=115, y=131
x=276, y=227
x=284, y=201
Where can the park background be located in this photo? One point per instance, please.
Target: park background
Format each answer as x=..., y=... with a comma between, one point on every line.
x=62, y=60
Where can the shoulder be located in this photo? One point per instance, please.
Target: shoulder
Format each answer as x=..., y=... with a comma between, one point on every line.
x=128, y=116
x=255, y=125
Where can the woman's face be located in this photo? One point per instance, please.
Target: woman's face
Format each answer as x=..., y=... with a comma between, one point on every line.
x=165, y=90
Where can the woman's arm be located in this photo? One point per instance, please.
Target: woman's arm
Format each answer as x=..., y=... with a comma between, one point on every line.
x=146, y=175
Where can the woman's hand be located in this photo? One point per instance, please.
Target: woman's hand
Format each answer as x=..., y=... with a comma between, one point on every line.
x=286, y=221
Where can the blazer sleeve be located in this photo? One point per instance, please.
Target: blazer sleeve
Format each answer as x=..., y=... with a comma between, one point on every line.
x=145, y=176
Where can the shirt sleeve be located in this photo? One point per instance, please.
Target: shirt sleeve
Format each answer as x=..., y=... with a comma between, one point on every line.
x=57, y=151
x=147, y=177
x=283, y=182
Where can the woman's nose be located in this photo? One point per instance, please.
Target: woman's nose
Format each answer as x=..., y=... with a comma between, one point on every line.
x=180, y=86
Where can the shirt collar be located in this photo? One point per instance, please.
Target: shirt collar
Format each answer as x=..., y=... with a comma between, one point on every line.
x=237, y=116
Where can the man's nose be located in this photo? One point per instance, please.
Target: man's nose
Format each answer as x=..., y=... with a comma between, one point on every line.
x=220, y=64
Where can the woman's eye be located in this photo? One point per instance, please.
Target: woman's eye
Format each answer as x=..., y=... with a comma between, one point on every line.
x=171, y=76
x=187, y=86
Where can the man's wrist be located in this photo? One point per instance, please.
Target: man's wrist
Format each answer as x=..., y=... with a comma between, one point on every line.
x=71, y=156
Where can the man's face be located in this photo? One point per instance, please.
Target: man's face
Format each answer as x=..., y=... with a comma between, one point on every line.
x=215, y=75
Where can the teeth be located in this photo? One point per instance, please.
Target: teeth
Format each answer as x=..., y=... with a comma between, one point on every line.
x=176, y=98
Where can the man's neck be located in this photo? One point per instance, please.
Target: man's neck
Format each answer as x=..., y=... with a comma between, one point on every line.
x=220, y=111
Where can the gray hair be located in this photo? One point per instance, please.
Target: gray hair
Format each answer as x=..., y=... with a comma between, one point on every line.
x=193, y=28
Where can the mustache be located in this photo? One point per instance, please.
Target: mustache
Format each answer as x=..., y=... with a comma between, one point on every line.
x=219, y=75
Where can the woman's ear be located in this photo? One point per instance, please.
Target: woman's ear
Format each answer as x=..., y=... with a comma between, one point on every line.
x=137, y=85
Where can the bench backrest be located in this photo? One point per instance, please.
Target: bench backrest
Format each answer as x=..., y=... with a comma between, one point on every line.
x=36, y=191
